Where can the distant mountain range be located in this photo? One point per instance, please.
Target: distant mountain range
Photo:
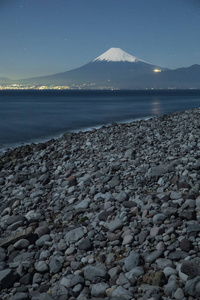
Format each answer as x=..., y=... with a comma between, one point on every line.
x=116, y=69
x=4, y=80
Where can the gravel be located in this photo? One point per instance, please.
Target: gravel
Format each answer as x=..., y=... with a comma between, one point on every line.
x=108, y=214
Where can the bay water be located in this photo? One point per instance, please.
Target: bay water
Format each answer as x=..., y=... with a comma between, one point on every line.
x=33, y=116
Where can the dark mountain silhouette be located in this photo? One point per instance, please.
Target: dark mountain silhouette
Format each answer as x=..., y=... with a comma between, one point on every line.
x=116, y=69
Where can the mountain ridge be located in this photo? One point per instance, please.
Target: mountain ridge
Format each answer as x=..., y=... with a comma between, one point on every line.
x=117, y=69
x=113, y=69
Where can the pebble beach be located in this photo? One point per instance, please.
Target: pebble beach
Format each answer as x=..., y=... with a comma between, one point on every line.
x=107, y=214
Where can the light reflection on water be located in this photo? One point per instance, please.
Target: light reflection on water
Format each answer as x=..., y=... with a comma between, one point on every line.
x=156, y=107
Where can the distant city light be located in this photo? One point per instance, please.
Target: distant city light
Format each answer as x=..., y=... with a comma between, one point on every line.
x=157, y=70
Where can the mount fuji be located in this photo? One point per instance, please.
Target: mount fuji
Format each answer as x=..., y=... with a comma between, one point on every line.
x=113, y=69
x=116, y=69
x=116, y=55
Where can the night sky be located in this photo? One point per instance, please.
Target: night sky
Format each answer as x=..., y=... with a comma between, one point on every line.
x=41, y=37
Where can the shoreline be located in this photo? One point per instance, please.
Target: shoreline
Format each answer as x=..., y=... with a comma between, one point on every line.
x=111, y=213
x=31, y=135
x=10, y=147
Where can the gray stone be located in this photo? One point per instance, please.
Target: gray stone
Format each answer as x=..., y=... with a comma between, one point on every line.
x=132, y=261
x=99, y=289
x=193, y=228
x=111, y=257
x=121, y=293
x=160, y=246
x=115, y=166
x=114, y=182
x=72, y=280
x=114, y=225
x=197, y=201
x=93, y=272
x=2, y=182
x=7, y=278
x=42, y=230
x=21, y=244
x=163, y=262
x=142, y=236
x=2, y=254
x=60, y=292
x=159, y=219
x=44, y=254
x=122, y=280
x=179, y=294
x=84, y=244
x=55, y=266
x=74, y=235
x=197, y=289
x=99, y=196
x=150, y=289
x=129, y=204
x=177, y=255
x=153, y=256
x=41, y=267
x=62, y=245
x=78, y=288
x=36, y=193
x=4, y=242
x=14, y=219
x=103, y=216
x=175, y=195
x=41, y=241
x=15, y=226
x=20, y=296
x=82, y=205
x=185, y=245
x=114, y=271
x=37, y=278
x=190, y=286
x=191, y=267
x=133, y=274
x=45, y=296
x=26, y=279
x=82, y=297
x=171, y=285
x=159, y=170
x=154, y=231
x=168, y=271
x=121, y=197
x=127, y=239
x=75, y=265
x=32, y=216
x=128, y=153
x=195, y=190
x=23, y=257
x=70, y=250
x=181, y=275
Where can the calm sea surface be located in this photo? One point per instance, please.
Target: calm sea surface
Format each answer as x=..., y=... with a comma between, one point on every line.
x=32, y=116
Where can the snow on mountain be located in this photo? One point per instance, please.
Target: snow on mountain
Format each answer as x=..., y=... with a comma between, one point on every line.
x=116, y=55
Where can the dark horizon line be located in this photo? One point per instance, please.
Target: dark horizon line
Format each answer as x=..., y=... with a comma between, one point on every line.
x=152, y=90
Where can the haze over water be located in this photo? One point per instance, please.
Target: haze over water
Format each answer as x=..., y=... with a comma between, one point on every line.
x=32, y=116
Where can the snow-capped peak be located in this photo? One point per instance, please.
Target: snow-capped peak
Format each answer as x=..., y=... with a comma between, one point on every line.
x=117, y=55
